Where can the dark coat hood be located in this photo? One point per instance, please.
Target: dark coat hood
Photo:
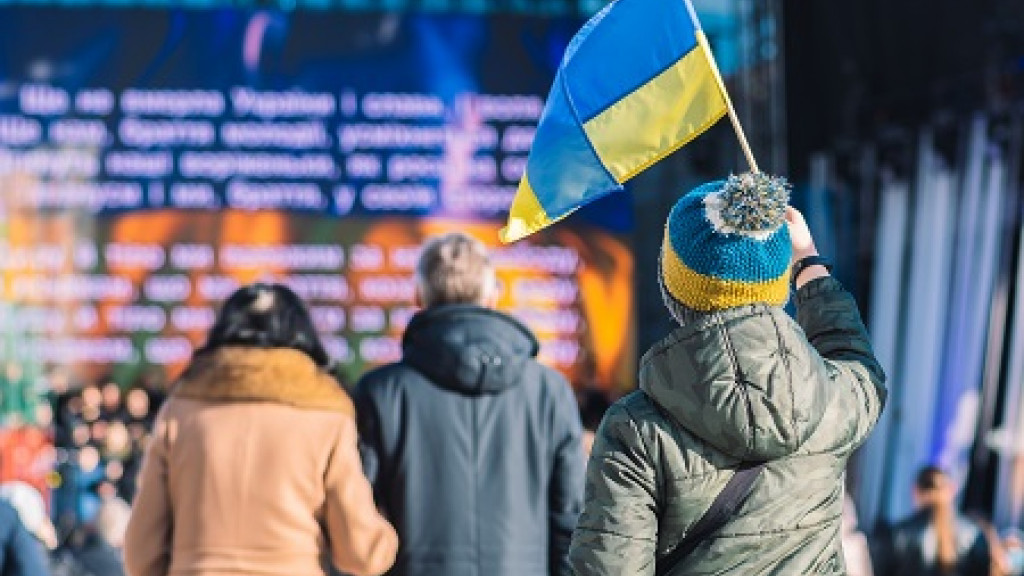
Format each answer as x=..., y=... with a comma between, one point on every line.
x=473, y=448
x=468, y=349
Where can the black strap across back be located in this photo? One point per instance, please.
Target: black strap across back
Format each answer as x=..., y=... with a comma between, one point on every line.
x=718, y=515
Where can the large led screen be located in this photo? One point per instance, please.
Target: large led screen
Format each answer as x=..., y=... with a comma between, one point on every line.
x=152, y=161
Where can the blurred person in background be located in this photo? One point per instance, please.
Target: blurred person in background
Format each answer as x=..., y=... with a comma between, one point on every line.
x=117, y=443
x=58, y=392
x=472, y=445
x=96, y=546
x=936, y=540
x=593, y=405
x=998, y=558
x=1013, y=552
x=112, y=521
x=110, y=404
x=140, y=412
x=253, y=467
x=88, y=473
x=740, y=386
x=91, y=553
x=137, y=407
x=31, y=508
x=91, y=404
x=18, y=395
x=856, y=551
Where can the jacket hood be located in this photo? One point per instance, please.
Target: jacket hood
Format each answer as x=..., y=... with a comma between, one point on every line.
x=279, y=375
x=740, y=380
x=468, y=349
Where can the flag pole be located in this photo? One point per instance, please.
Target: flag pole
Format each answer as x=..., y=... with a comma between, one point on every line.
x=733, y=117
x=740, y=135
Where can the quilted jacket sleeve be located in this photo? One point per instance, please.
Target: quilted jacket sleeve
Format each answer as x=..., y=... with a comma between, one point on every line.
x=617, y=532
x=830, y=319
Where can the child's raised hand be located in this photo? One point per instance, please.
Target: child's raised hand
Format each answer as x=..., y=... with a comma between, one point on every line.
x=799, y=235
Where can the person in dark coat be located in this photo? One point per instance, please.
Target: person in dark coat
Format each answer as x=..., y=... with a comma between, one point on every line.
x=20, y=553
x=93, y=555
x=473, y=447
x=935, y=540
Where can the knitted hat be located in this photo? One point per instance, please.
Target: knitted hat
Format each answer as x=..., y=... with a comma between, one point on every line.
x=726, y=244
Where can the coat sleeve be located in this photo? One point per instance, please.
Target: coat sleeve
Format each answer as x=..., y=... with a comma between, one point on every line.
x=363, y=543
x=978, y=558
x=147, y=545
x=565, y=494
x=617, y=532
x=830, y=319
x=882, y=547
x=24, y=554
x=368, y=427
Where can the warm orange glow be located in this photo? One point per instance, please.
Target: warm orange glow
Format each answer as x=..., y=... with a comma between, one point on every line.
x=583, y=313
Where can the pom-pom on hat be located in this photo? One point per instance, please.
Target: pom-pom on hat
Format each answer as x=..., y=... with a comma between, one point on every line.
x=726, y=244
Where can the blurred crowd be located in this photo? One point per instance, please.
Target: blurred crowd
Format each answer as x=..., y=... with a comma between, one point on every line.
x=99, y=432
x=80, y=447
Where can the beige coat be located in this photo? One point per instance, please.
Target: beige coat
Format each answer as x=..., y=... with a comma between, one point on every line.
x=253, y=469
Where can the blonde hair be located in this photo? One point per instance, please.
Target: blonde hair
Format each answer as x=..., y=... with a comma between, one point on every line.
x=454, y=269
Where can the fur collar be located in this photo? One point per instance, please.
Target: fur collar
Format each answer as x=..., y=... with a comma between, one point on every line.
x=278, y=375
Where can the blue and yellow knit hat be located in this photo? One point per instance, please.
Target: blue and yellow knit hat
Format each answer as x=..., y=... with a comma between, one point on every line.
x=726, y=244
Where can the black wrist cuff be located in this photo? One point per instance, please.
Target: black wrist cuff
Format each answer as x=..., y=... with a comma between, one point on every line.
x=802, y=264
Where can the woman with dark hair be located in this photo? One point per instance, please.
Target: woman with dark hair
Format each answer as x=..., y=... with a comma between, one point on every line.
x=936, y=540
x=266, y=316
x=253, y=466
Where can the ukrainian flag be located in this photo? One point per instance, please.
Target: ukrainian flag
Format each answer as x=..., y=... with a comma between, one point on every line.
x=637, y=82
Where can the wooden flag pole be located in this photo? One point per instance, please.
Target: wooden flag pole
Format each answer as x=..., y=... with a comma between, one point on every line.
x=733, y=117
x=741, y=136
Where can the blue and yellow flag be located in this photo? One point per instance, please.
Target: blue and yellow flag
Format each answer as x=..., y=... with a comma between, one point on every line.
x=637, y=82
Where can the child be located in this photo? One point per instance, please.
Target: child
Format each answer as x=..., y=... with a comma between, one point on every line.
x=738, y=384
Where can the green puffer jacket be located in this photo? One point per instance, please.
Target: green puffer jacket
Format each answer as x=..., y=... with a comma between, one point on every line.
x=744, y=384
